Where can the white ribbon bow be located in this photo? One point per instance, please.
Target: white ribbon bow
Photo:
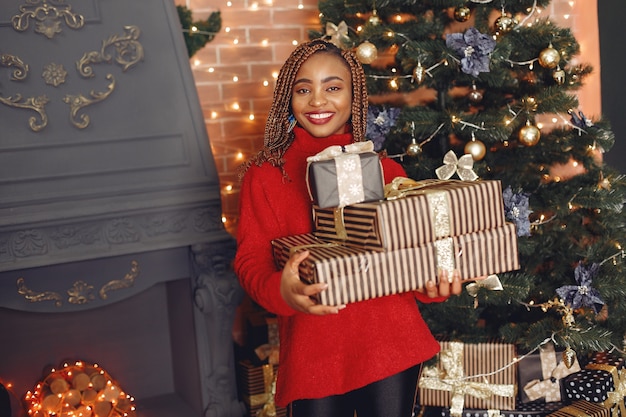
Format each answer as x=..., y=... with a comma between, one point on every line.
x=462, y=166
x=549, y=387
x=336, y=150
x=338, y=34
x=492, y=283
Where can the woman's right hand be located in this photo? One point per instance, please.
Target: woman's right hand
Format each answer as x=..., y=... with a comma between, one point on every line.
x=299, y=295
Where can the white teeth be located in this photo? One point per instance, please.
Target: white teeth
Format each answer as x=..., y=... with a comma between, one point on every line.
x=319, y=115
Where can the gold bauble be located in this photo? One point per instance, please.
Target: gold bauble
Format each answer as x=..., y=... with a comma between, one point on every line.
x=475, y=96
x=549, y=57
x=505, y=24
x=419, y=73
x=413, y=149
x=374, y=19
x=529, y=135
x=475, y=148
x=366, y=52
x=462, y=13
x=559, y=76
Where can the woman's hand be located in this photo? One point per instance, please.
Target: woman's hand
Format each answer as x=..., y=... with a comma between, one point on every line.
x=301, y=296
x=446, y=286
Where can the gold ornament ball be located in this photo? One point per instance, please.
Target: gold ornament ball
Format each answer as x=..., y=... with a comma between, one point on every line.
x=366, y=52
x=529, y=135
x=476, y=148
x=549, y=57
x=475, y=96
x=462, y=13
x=559, y=76
x=374, y=19
x=505, y=24
x=418, y=73
x=413, y=149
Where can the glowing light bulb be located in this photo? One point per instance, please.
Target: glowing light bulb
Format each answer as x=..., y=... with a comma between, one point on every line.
x=251, y=116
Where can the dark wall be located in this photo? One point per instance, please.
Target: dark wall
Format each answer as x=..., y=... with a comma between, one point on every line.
x=612, y=69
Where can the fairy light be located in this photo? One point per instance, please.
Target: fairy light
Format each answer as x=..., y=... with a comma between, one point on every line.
x=235, y=78
x=210, y=70
x=214, y=115
x=266, y=83
x=227, y=29
x=254, y=6
x=224, y=219
x=251, y=116
x=239, y=156
x=196, y=62
x=235, y=106
x=294, y=42
x=265, y=42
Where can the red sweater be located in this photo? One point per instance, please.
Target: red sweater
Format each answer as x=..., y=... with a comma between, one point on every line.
x=320, y=355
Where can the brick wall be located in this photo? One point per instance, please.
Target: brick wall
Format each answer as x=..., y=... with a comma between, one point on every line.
x=234, y=73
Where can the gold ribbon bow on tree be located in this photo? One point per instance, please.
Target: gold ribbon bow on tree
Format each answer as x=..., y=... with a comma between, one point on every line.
x=549, y=387
x=461, y=166
x=338, y=34
x=491, y=283
x=452, y=379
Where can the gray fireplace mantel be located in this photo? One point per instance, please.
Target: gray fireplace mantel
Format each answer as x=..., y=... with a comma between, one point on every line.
x=108, y=188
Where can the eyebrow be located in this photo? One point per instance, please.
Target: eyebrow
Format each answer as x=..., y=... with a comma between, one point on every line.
x=325, y=80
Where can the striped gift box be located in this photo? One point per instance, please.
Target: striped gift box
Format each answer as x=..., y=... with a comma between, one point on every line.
x=582, y=409
x=430, y=211
x=470, y=376
x=356, y=274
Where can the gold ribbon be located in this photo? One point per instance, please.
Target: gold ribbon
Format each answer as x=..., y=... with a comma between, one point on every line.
x=492, y=283
x=461, y=166
x=452, y=379
x=616, y=397
x=338, y=34
x=549, y=387
x=268, y=384
x=401, y=187
x=334, y=151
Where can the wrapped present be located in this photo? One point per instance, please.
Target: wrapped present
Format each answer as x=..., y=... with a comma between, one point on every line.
x=529, y=409
x=424, y=212
x=470, y=375
x=343, y=175
x=270, y=351
x=581, y=409
x=594, y=383
x=540, y=374
x=355, y=274
x=599, y=383
x=256, y=386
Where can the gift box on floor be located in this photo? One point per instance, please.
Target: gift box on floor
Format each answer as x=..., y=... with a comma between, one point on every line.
x=470, y=376
x=581, y=409
x=342, y=175
x=430, y=210
x=597, y=381
x=356, y=274
x=529, y=409
x=540, y=374
x=255, y=385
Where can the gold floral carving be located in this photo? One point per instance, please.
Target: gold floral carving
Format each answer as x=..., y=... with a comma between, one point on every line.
x=54, y=74
x=127, y=282
x=128, y=52
x=79, y=101
x=37, y=104
x=21, y=69
x=80, y=292
x=47, y=17
x=34, y=297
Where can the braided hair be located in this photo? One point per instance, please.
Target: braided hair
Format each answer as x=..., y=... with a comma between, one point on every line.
x=278, y=134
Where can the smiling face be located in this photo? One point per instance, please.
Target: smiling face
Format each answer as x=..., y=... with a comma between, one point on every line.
x=321, y=98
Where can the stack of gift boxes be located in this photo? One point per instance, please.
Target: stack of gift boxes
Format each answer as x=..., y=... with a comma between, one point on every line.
x=489, y=379
x=395, y=240
x=257, y=363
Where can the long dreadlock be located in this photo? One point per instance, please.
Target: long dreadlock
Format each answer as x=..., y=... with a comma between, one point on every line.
x=278, y=135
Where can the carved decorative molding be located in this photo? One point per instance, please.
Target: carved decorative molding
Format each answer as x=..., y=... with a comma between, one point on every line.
x=21, y=69
x=80, y=292
x=124, y=50
x=47, y=16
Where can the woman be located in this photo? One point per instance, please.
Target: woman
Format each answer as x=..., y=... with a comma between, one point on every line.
x=334, y=360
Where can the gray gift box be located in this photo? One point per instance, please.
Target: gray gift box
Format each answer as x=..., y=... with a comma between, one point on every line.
x=323, y=180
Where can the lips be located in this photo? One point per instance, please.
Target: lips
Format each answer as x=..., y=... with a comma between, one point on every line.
x=320, y=118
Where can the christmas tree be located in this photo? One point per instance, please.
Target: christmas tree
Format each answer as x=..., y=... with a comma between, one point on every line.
x=497, y=80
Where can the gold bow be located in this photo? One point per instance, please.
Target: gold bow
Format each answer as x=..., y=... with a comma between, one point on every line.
x=549, y=387
x=452, y=379
x=492, y=283
x=616, y=397
x=461, y=166
x=338, y=34
x=336, y=150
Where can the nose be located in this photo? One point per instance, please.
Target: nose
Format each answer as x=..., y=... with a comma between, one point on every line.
x=318, y=98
